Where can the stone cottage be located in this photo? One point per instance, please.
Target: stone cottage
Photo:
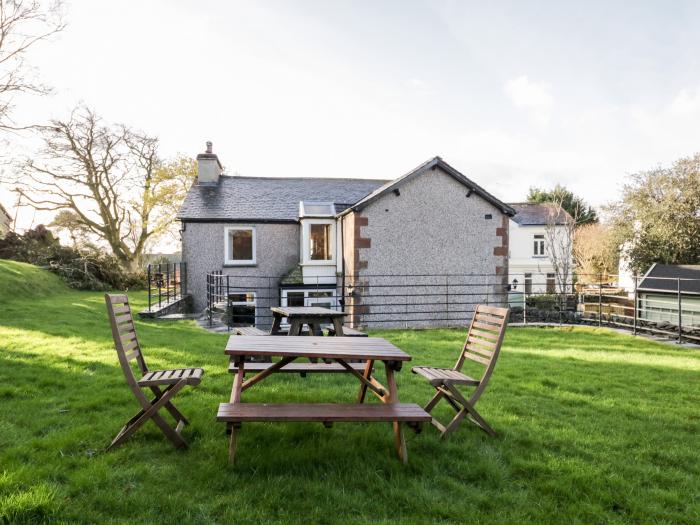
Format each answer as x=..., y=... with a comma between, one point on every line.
x=379, y=248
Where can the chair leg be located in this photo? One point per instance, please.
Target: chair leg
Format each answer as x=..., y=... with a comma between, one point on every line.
x=469, y=408
x=170, y=407
x=151, y=412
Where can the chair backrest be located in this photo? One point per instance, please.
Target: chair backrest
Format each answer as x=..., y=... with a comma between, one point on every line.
x=484, y=339
x=124, y=333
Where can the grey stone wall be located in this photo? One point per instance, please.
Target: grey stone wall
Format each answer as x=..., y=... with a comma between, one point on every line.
x=277, y=250
x=431, y=228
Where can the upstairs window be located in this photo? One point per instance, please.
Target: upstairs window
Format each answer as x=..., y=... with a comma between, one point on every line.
x=320, y=242
x=538, y=245
x=240, y=245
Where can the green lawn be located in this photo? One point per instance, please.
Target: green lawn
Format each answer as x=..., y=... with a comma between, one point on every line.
x=595, y=427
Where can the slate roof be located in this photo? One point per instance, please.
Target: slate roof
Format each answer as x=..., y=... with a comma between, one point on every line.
x=536, y=214
x=664, y=278
x=260, y=199
x=434, y=163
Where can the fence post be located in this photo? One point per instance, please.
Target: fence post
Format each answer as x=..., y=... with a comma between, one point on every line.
x=600, y=299
x=447, y=300
x=634, y=326
x=680, y=313
x=148, y=270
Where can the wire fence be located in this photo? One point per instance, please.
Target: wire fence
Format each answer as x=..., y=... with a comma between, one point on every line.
x=670, y=309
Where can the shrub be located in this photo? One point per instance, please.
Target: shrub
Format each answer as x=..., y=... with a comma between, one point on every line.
x=85, y=269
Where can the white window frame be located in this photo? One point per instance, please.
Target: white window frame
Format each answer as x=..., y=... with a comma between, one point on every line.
x=306, y=240
x=539, y=243
x=228, y=249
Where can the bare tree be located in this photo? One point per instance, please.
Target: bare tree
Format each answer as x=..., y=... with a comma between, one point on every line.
x=559, y=235
x=108, y=177
x=23, y=23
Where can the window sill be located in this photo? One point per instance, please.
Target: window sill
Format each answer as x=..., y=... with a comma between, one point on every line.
x=318, y=263
x=239, y=265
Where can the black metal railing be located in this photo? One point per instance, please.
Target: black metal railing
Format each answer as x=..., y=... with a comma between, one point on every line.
x=167, y=283
x=415, y=301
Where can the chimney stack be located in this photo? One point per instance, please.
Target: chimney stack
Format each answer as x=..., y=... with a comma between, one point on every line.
x=209, y=168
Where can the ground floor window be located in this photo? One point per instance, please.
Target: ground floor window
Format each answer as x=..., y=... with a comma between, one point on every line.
x=316, y=297
x=551, y=283
x=528, y=283
x=242, y=308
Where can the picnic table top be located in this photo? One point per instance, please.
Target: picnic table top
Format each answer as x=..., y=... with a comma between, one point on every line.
x=374, y=348
x=307, y=311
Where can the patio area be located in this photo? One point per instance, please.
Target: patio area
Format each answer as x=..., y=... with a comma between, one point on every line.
x=593, y=426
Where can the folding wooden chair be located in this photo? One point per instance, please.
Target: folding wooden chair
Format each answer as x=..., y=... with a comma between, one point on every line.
x=483, y=344
x=128, y=348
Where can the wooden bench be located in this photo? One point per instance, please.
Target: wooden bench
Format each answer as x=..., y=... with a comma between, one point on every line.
x=347, y=332
x=298, y=368
x=326, y=413
x=249, y=330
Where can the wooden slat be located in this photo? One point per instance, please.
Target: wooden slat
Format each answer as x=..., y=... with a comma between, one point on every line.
x=481, y=342
x=131, y=345
x=483, y=334
x=121, y=310
x=249, y=330
x=493, y=310
x=485, y=326
x=307, y=311
x=477, y=358
x=123, y=318
x=322, y=412
x=488, y=354
x=133, y=355
x=495, y=322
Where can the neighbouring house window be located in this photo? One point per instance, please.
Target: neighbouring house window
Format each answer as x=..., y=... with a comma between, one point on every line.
x=324, y=298
x=295, y=298
x=242, y=310
x=240, y=245
x=528, y=283
x=538, y=245
x=551, y=288
x=320, y=242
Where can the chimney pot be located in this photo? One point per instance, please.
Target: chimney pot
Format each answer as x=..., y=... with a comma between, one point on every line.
x=209, y=146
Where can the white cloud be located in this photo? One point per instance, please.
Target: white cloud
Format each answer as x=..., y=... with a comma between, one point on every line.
x=531, y=96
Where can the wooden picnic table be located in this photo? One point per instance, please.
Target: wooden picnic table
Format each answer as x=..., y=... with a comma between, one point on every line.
x=337, y=349
x=312, y=316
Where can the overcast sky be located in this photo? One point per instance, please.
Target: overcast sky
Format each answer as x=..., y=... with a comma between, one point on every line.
x=513, y=94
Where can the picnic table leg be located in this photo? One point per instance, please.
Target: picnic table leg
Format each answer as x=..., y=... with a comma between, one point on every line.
x=363, y=387
x=236, y=398
x=315, y=328
x=338, y=326
x=276, y=323
x=295, y=327
x=393, y=397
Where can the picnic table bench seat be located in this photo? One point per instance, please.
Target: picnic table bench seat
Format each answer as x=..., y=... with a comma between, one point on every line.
x=322, y=412
x=347, y=332
x=297, y=368
x=249, y=330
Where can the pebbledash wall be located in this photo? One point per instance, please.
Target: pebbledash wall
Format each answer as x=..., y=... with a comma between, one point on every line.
x=277, y=250
x=431, y=228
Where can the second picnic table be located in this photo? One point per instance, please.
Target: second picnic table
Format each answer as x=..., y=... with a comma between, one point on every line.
x=341, y=350
x=312, y=316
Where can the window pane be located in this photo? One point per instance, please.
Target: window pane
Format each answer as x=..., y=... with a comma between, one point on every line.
x=317, y=209
x=242, y=298
x=528, y=283
x=320, y=240
x=550, y=283
x=241, y=245
x=295, y=298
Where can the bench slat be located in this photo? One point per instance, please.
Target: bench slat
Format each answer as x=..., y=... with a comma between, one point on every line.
x=323, y=412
